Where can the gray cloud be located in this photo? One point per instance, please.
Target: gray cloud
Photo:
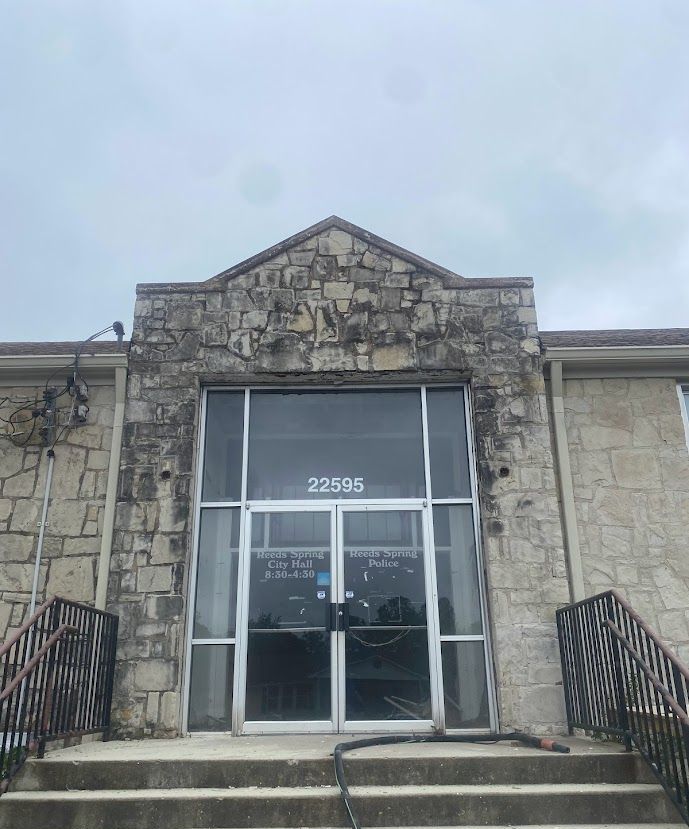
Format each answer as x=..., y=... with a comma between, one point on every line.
x=168, y=140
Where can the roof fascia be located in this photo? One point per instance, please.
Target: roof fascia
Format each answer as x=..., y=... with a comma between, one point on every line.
x=621, y=361
x=30, y=369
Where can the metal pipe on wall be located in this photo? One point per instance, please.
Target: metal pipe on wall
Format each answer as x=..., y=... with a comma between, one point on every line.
x=41, y=531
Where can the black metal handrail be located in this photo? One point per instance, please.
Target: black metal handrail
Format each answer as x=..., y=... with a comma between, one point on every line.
x=56, y=675
x=620, y=679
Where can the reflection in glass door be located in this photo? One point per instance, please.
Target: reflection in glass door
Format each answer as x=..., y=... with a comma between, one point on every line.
x=336, y=641
x=288, y=619
x=384, y=648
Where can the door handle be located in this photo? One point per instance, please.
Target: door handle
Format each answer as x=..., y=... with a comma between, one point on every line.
x=343, y=616
x=331, y=617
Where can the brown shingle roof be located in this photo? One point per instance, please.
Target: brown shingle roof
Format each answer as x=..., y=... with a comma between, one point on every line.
x=615, y=338
x=69, y=348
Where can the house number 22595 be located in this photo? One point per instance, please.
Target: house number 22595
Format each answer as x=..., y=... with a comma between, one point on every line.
x=335, y=485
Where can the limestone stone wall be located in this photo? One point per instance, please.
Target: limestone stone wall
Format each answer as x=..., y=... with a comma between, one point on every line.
x=72, y=537
x=340, y=306
x=630, y=468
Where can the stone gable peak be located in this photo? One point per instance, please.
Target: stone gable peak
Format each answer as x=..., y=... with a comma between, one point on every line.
x=337, y=243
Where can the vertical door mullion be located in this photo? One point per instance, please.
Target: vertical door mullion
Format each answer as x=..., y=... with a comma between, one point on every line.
x=432, y=618
x=241, y=633
x=193, y=575
x=432, y=622
x=334, y=635
x=341, y=667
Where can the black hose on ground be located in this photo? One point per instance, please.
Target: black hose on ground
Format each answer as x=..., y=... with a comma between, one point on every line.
x=391, y=739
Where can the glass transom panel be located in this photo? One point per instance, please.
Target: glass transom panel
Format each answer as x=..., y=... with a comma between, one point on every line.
x=335, y=445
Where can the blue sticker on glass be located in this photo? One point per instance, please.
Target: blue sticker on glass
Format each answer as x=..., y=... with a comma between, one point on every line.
x=323, y=579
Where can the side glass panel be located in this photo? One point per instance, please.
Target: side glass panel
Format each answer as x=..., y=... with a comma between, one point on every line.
x=288, y=652
x=339, y=444
x=459, y=602
x=210, y=693
x=222, y=470
x=465, y=686
x=386, y=646
x=216, y=580
x=447, y=443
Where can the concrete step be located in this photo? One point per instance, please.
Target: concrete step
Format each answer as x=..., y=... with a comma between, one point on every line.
x=432, y=805
x=532, y=767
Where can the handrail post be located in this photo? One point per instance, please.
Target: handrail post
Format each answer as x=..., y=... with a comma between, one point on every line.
x=566, y=679
x=48, y=708
x=620, y=684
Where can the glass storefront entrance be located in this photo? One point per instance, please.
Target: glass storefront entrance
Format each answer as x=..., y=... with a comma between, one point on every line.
x=336, y=577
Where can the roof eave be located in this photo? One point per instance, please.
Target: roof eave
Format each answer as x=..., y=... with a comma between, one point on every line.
x=30, y=369
x=620, y=361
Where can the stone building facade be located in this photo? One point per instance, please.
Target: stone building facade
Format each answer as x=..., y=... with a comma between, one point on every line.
x=578, y=444
x=336, y=304
x=627, y=437
x=74, y=528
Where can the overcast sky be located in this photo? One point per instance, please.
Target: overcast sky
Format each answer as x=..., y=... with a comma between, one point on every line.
x=158, y=141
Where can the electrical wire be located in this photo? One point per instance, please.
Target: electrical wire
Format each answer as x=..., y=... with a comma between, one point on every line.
x=37, y=403
x=67, y=425
x=543, y=743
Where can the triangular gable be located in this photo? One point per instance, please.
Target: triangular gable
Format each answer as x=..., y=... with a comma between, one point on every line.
x=331, y=223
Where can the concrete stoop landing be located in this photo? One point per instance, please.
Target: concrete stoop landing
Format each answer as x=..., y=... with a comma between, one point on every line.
x=224, y=783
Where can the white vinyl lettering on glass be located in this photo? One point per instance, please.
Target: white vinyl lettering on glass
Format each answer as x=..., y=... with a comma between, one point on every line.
x=335, y=485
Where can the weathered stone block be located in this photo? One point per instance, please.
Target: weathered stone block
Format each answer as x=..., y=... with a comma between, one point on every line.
x=184, y=317
x=328, y=357
x=20, y=485
x=302, y=258
x=238, y=301
x=169, y=710
x=215, y=334
x=635, y=469
x=166, y=608
x=301, y=320
x=338, y=290
x=155, y=675
x=154, y=579
x=393, y=357
x=98, y=459
x=66, y=518
x=335, y=243
x=72, y=578
x=15, y=548
x=24, y=518
x=11, y=459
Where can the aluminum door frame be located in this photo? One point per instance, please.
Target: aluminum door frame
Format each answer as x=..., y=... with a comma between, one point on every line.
x=245, y=507
x=241, y=725
x=338, y=722
x=432, y=623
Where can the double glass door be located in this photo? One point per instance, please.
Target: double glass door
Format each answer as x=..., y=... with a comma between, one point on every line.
x=337, y=619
